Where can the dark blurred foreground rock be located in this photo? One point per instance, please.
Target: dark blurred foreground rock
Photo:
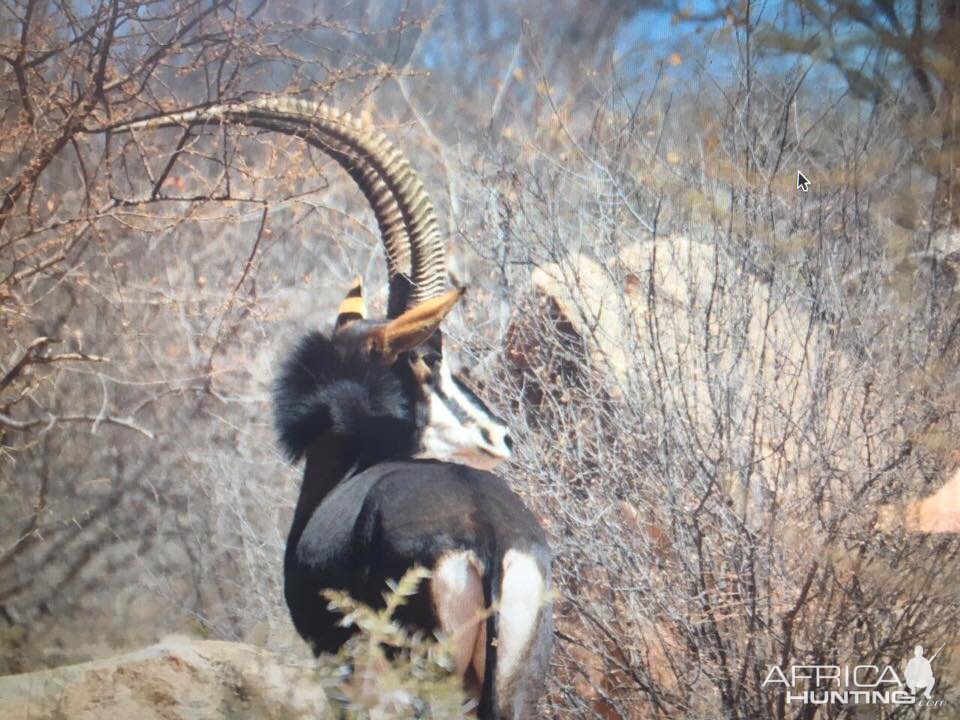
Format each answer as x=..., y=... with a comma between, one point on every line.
x=176, y=679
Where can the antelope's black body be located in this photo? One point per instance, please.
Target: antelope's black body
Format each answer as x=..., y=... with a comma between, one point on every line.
x=366, y=514
x=374, y=525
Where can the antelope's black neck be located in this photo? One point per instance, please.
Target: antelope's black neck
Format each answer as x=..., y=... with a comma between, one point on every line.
x=332, y=459
x=329, y=461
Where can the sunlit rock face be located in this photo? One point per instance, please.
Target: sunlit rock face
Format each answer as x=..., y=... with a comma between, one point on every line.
x=176, y=679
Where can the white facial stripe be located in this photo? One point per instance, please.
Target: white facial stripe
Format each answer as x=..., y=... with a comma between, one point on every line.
x=460, y=429
x=465, y=402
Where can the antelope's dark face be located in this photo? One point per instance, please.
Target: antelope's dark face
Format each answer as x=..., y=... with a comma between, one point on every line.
x=450, y=422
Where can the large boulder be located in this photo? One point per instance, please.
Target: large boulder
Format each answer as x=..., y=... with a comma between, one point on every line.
x=724, y=344
x=683, y=321
x=176, y=679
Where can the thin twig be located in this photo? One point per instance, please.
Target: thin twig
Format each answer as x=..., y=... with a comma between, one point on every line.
x=52, y=420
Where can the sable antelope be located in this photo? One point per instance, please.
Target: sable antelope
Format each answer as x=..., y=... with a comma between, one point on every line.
x=396, y=446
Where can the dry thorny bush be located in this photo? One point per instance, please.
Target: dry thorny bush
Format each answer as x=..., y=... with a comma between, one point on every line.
x=138, y=289
x=718, y=428
x=718, y=392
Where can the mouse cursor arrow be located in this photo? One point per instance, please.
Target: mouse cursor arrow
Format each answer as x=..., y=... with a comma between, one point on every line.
x=802, y=182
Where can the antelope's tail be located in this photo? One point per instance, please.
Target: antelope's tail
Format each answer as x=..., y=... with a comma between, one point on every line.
x=489, y=707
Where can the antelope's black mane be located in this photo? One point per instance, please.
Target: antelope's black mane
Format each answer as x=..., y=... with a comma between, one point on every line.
x=324, y=388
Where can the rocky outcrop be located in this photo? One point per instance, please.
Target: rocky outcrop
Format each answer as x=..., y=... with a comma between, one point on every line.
x=722, y=343
x=684, y=322
x=176, y=679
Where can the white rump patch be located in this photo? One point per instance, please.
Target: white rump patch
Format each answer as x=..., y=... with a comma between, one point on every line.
x=521, y=597
x=456, y=588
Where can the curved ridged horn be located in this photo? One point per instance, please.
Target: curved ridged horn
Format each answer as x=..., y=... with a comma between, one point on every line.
x=406, y=217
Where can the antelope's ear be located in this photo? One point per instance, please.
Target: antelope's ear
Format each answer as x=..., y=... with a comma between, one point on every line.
x=352, y=308
x=414, y=327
